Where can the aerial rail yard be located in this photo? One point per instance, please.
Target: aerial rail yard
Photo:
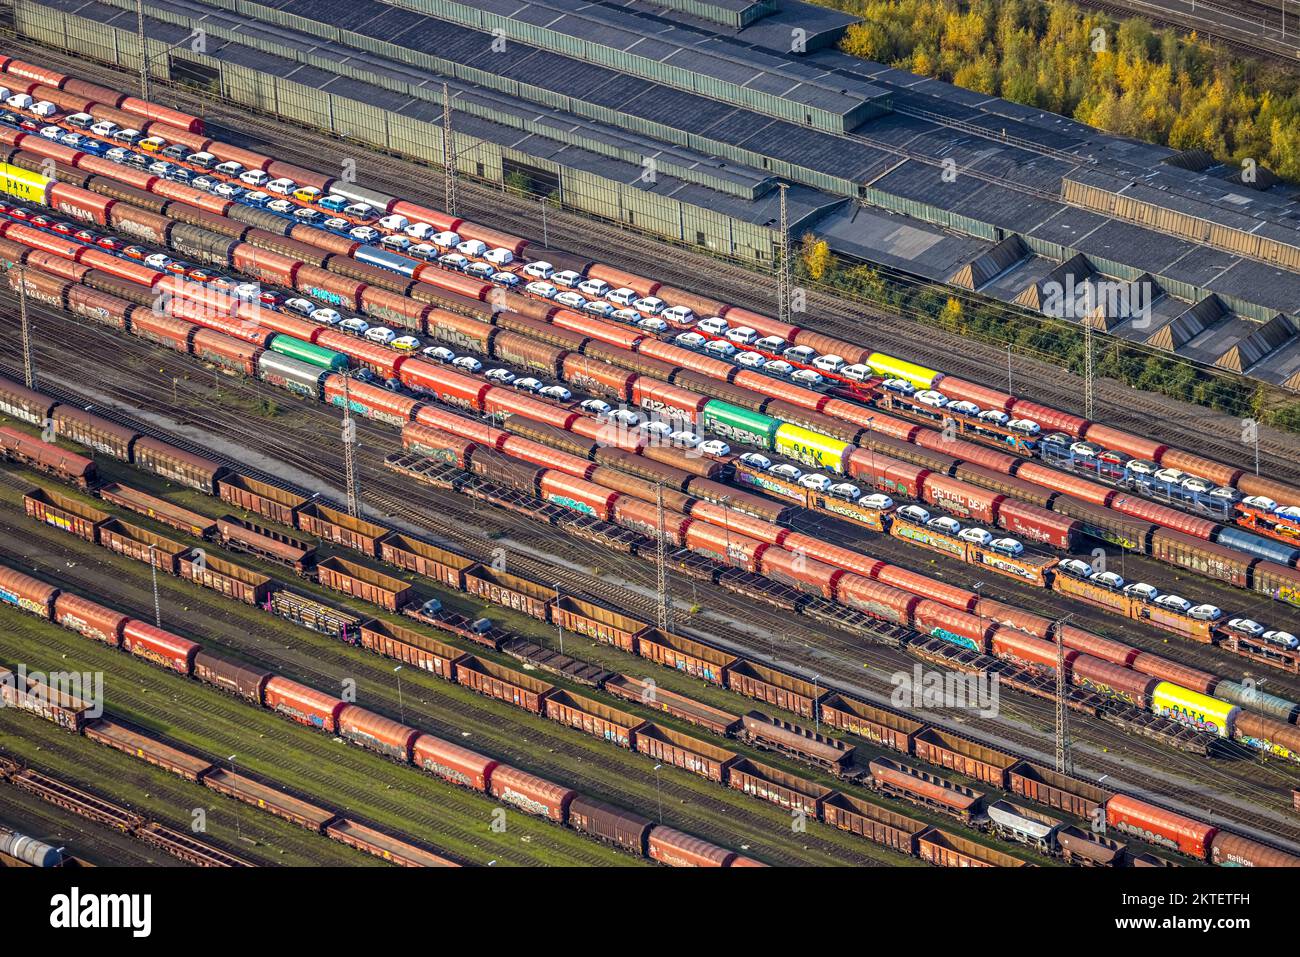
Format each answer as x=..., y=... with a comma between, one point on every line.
x=617, y=564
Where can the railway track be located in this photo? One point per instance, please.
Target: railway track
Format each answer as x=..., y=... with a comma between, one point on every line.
x=1253, y=794
x=1267, y=28
x=1182, y=424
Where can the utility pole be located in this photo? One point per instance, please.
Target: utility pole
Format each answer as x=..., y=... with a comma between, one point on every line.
x=448, y=152
x=558, y=626
x=153, y=572
x=144, y=52
x=1009, y=389
x=350, y=452
x=29, y=359
x=784, y=274
x=661, y=565
x=1064, y=762
x=1087, y=369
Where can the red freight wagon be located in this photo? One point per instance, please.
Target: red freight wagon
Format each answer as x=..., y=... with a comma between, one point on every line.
x=264, y=265
x=1112, y=681
x=800, y=572
x=1038, y=524
x=371, y=401
x=1120, y=441
x=473, y=429
x=81, y=204
x=1163, y=515
x=161, y=647
x=447, y=385
x=667, y=401
x=698, y=304
x=1051, y=420
x=724, y=546
x=304, y=705
x=1158, y=826
x=531, y=794
x=949, y=595
x=620, y=279
x=681, y=358
x=616, y=335
x=835, y=555
x=26, y=592
x=423, y=214
x=454, y=282
x=220, y=349
x=730, y=518
x=877, y=824
x=787, y=391
x=952, y=625
x=1031, y=624
x=410, y=647
x=641, y=516
x=983, y=396
x=1097, y=646
x=90, y=619
x=961, y=498
x=381, y=359
x=500, y=402
x=1027, y=651
x=577, y=494
x=763, y=325
x=452, y=763
x=376, y=732
x=676, y=849
x=494, y=239
x=152, y=111
x=879, y=601
x=530, y=451
x=1216, y=472
x=1193, y=678
x=1080, y=488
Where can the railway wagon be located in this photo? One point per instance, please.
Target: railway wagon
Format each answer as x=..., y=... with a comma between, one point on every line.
x=668, y=746
x=233, y=581
x=596, y=622
x=47, y=702
x=45, y=457
x=686, y=655
x=648, y=693
x=1157, y=826
x=162, y=647
x=672, y=847
x=452, y=763
x=261, y=498
x=1055, y=790
x=282, y=805
x=90, y=619
x=129, y=741
x=183, y=468
x=385, y=846
x=160, y=510
x=781, y=690
x=302, y=704
x=850, y=715
x=531, y=794
x=778, y=787
x=511, y=591
x=945, y=849
x=268, y=543
x=505, y=684
x=339, y=527
x=966, y=757
x=243, y=681
x=364, y=583
x=618, y=827
x=424, y=559
x=133, y=541
x=64, y=513
x=411, y=647
x=806, y=744
x=592, y=717
x=924, y=789
x=873, y=822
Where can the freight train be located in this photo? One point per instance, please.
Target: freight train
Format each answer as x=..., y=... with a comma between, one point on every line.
x=310, y=190
x=604, y=625
x=315, y=709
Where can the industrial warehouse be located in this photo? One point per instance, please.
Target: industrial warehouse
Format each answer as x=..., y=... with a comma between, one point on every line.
x=581, y=100
x=375, y=498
